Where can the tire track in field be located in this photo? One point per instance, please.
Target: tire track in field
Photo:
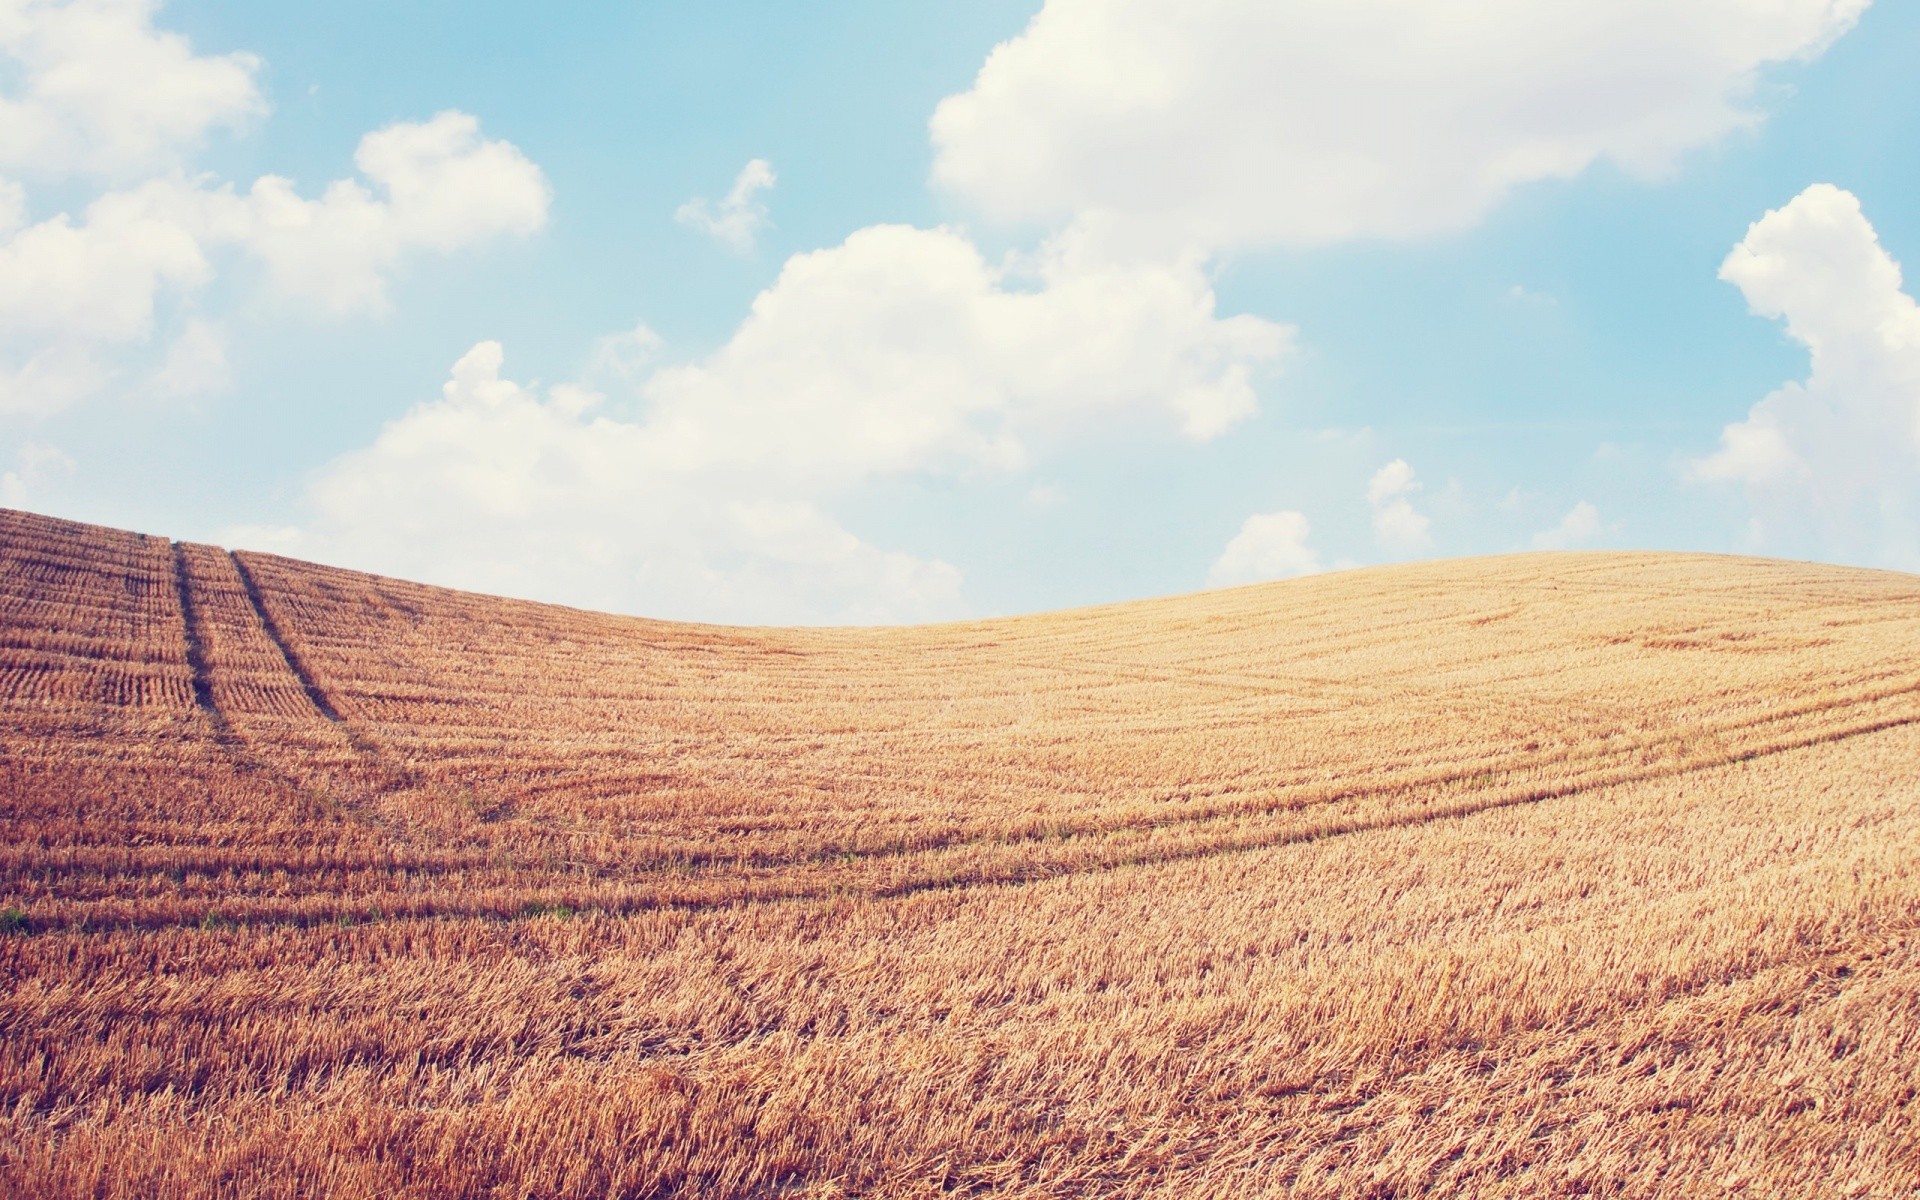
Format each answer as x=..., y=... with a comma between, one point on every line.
x=394, y=792
x=829, y=883
x=295, y=666
x=196, y=646
x=1605, y=765
x=1458, y=810
x=1314, y=818
x=1601, y=765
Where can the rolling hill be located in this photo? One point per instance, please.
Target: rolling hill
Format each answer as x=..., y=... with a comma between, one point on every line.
x=1567, y=874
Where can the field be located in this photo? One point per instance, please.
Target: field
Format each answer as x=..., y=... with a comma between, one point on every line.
x=1570, y=874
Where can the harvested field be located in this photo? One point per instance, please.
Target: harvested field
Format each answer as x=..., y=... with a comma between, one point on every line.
x=1568, y=874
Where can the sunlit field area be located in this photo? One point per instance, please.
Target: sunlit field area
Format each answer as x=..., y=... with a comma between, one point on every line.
x=1555, y=874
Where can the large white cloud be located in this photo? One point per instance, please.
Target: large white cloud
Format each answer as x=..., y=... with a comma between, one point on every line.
x=437, y=186
x=1831, y=463
x=89, y=86
x=74, y=295
x=901, y=350
x=497, y=488
x=904, y=349
x=1228, y=123
x=97, y=279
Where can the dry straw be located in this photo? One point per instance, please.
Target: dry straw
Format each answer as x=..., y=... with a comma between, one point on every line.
x=1546, y=875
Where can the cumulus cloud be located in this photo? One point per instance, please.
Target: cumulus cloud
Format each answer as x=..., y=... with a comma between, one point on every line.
x=97, y=279
x=1830, y=463
x=74, y=295
x=1242, y=123
x=1580, y=526
x=1268, y=546
x=737, y=220
x=500, y=488
x=437, y=185
x=904, y=349
x=1396, y=523
x=900, y=351
x=91, y=87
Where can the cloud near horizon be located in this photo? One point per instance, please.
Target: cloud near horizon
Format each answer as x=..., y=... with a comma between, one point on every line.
x=1579, y=527
x=1397, y=525
x=1269, y=546
x=712, y=503
x=497, y=488
x=1831, y=460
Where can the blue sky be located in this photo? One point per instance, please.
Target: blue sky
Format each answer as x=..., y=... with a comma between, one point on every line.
x=1166, y=296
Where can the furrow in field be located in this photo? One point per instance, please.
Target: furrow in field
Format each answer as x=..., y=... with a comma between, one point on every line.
x=900, y=874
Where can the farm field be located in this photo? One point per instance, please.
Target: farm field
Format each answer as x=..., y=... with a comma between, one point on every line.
x=1544, y=875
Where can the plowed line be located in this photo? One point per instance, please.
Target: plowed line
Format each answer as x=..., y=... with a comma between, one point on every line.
x=414, y=906
x=196, y=652
x=294, y=665
x=1603, y=770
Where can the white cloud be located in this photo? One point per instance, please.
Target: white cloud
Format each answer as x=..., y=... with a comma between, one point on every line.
x=1394, y=479
x=1396, y=523
x=437, y=185
x=77, y=299
x=196, y=362
x=899, y=351
x=13, y=208
x=1241, y=123
x=49, y=380
x=1268, y=546
x=903, y=349
x=1831, y=463
x=90, y=87
x=33, y=466
x=1579, y=526
x=444, y=187
x=73, y=295
x=498, y=488
x=737, y=220
x=1754, y=451
x=97, y=280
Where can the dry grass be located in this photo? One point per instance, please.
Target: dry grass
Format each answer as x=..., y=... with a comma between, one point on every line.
x=1547, y=875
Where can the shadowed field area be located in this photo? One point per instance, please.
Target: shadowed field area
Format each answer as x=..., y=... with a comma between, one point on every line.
x=1570, y=874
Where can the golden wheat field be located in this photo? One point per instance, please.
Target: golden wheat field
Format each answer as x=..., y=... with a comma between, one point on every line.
x=1570, y=874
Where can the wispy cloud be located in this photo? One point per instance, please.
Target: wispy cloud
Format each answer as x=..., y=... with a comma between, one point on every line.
x=737, y=220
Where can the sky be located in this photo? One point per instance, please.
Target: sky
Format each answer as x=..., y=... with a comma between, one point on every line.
x=864, y=312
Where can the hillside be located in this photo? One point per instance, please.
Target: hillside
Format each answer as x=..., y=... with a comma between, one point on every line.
x=1541, y=875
